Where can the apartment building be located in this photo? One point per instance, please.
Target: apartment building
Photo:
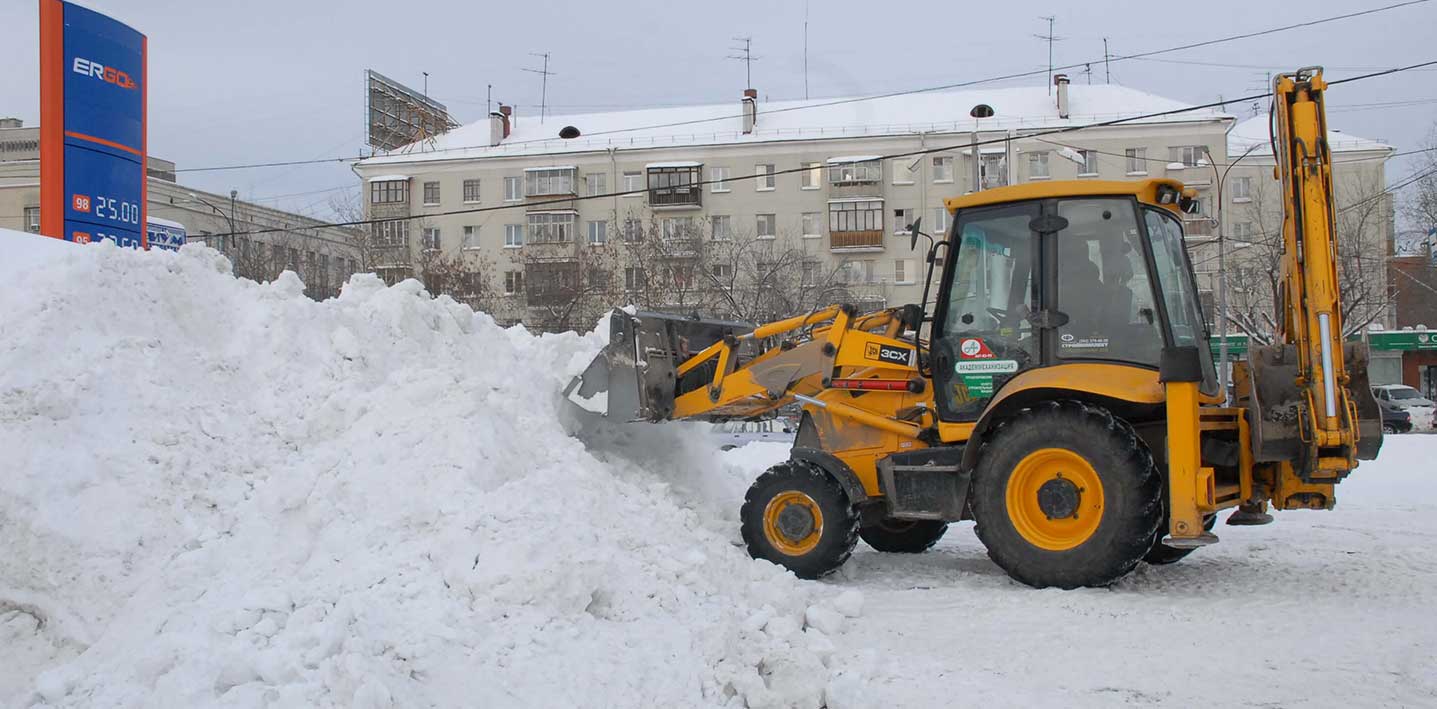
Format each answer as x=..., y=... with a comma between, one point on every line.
x=534, y=206
x=323, y=256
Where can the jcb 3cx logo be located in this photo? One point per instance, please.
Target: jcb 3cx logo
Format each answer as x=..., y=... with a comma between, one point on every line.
x=886, y=353
x=108, y=74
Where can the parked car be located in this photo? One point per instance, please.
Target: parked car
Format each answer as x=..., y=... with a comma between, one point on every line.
x=1394, y=419
x=732, y=434
x=1419, y=408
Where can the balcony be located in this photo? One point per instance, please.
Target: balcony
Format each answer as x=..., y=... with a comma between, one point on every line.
x=675, y=186
x=867, y=239
x=855, y=176
x=544, y=185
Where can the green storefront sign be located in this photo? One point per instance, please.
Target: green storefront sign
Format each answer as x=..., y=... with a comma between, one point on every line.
x=1385, y=341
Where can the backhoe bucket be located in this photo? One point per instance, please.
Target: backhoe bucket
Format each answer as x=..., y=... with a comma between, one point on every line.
x=633, y=378
x=1277, y=408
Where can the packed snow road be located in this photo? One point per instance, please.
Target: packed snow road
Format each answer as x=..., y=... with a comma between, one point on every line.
x=1318, y=609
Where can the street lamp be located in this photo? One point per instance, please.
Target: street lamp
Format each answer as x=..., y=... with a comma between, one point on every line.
x=982, y=110
x=1224, y=373
x=228, y=217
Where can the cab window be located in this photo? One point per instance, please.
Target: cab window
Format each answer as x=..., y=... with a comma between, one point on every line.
x=1103, y=287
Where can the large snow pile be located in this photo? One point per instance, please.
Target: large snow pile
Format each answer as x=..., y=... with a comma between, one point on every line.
x=216, y=492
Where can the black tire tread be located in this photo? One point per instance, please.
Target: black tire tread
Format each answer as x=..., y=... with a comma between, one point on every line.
x=832, y=551
x=918, y=537
x=1037, y=567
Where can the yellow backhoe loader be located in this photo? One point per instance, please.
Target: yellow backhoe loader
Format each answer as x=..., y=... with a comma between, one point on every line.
x=1061, y=393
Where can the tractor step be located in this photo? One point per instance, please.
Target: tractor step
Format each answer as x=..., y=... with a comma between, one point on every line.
x=1202, y=540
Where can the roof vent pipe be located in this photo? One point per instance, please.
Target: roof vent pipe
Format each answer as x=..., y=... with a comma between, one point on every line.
x=750, y=110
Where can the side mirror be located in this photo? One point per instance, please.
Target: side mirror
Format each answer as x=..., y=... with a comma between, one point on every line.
x=913, y=233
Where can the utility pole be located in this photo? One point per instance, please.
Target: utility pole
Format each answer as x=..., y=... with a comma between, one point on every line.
x=746, y=57
x=544, y=85
x=1051, y=38
x=1107, y=67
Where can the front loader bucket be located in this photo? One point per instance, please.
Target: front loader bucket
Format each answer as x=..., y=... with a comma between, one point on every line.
x=633, y=378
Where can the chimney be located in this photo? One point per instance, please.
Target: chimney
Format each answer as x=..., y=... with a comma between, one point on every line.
x=11, y=123
x=750, y=110
x=1061, y=82
x=499, y=126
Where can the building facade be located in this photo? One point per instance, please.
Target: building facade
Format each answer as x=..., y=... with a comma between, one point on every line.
x=706, y=207
x=324, y=257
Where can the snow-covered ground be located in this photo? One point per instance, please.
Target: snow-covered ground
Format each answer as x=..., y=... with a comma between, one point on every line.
x=1319, y=609
x=214, y=492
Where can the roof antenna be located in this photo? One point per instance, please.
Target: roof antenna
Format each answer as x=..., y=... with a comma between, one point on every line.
x=746, y=57
x=1051, y=39
x=544, y=86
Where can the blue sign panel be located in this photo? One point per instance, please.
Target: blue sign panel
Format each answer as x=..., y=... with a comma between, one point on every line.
x=100, y=102
x=166, y=235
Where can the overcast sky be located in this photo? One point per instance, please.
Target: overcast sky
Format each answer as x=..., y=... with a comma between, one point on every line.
x=269, y=80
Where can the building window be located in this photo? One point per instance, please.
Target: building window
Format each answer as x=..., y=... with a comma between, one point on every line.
x=431, y=193
x=1242, y=231
x=864, y=271
x=854, y=173
x=722, y=226
x=1038, y=165
x=718, y=179
x=598, y=233
x=429, y=239
x=855, y=215
x=293, y=262
x=513, y=189
x=551, y=227
x=551, y=282
x=902, y=220
x=764, y=181
x=471, y=191
x=764, y=226
x=549, y=181
x=722, y=272
x=812, y=225
x=943, y=168
x=1090, y=163
x=471, y=237
x=676, y=228
x=633, y=184
x=903, y=272
x=902, y=173
x=324, y=269
x=513, y=282
x=1242, y=189
x=394, y=232
x=1188, y=155
x=812, y=175
x=597, y=183
x=674, y=186
x=32, y=220
x=1137, y=161
x=389, y=192
x=938, y=221
x=513, y=236
x=633, y=278
x=633, y=230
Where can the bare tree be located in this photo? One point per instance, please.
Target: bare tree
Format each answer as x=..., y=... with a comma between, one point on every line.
x=1363, y=228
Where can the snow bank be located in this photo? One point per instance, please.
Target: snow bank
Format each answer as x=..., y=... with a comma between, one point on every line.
x=217, y=492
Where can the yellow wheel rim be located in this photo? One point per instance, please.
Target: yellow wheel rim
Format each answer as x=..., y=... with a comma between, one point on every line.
x=1055, y=499
x=792, y=523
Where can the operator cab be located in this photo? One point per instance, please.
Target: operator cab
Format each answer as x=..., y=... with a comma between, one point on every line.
x=1062, y=273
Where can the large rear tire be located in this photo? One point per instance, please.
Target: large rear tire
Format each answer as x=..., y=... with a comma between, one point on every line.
x=1067, y=495
x=798, y=516
x=903, y=536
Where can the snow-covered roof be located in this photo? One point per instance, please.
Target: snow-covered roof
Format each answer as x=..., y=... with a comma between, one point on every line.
x=1254, y=132
x=675, y=163
x=1016, y=108
x=388, y=178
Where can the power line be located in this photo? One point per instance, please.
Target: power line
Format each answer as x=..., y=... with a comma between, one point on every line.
x=857, y=99
x=891, y=156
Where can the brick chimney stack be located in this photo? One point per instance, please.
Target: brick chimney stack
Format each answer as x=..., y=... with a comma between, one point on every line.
x=750, y=110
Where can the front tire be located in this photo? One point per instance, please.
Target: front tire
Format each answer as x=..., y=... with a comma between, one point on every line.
x=1067, y=495
x=798, y=516
x=903, y=536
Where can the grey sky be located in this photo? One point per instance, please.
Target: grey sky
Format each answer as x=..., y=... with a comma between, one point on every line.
x=262, y=80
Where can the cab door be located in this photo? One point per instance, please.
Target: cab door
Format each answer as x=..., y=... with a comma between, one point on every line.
x=984, y=324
